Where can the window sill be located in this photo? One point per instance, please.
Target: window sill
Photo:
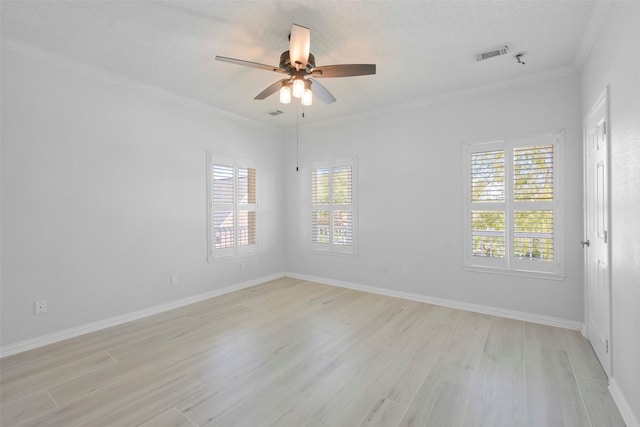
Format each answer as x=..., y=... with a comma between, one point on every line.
x=334, y=253
x=213, y=260
x=520, y=273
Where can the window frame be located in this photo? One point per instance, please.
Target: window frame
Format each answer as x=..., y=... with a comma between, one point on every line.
x=237, y=250
x=510, y=264
x=331, y=248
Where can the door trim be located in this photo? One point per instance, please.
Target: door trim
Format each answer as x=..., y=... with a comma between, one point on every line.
x=602, y=99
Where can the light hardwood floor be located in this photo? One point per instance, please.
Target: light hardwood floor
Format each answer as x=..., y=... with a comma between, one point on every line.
x=295, y=353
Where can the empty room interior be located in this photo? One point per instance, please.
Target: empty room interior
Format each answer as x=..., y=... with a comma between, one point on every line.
x=296, y=213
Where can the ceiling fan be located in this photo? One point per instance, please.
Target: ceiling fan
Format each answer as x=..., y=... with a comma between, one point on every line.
x=299, y=64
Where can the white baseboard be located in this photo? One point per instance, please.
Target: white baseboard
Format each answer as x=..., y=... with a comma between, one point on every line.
x=43, y=340
x=476, y=308
x=624, y=407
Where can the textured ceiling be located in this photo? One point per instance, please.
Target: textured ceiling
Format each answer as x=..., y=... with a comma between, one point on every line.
x=423, y=49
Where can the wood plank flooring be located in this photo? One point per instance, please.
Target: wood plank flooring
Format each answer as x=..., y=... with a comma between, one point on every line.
x=296, y=353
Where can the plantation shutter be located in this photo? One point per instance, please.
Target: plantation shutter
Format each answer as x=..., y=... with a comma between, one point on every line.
x=487, y=214
x=533, y=173
x=232, y=207
x=533, y=194
x=247, y=207
x=512, y=208
x=487, y=176
x=342, y=205
x=332, y=207
x=320, y=207
x=223, y=221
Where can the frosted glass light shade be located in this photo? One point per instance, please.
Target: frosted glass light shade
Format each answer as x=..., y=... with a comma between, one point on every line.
x=298, y=88
x=307, y=97
x=285, y=94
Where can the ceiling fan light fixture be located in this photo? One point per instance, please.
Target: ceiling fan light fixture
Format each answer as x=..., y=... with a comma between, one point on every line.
x=307, y=97
x=299, y=65
x=298, y=88
x=285, y=94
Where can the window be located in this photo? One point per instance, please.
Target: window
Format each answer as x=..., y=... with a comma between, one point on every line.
x=232, y=207
x=512, y=209
x=333, y=216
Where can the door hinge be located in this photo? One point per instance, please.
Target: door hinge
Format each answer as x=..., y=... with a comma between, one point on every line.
x=606, y=236
x=606, y=345
x=604, y=128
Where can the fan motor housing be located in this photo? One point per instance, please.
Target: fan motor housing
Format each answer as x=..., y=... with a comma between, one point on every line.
x=285, y=62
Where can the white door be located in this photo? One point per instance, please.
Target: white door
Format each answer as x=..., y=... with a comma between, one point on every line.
x=596, y=243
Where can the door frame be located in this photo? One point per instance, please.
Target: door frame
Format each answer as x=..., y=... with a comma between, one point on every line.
x=602, y=99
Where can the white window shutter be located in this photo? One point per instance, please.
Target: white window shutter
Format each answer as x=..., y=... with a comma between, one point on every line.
x=333, y=217
x=512, y=209
x=232, y=207
x=247, y=206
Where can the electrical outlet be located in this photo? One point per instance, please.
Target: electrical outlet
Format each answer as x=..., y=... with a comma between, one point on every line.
x=40, y=306
x=174, y=280
x=405, y=273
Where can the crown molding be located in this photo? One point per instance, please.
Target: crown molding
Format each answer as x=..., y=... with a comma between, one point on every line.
x=451, y=96
x=493, y=87
x=120, y=80
x=592, y=31
x=36, y=53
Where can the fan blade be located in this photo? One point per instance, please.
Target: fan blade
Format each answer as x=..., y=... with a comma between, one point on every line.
x=270, y=90
x=344, y=70
x=299, y=46
x=250, y=64
x=321, y=92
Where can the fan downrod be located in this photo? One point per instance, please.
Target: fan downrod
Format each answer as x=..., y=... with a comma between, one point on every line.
x=285, y=63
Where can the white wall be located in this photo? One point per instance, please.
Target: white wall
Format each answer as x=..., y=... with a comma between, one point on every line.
x=410, y=188
x=104, y=197
x=614, y=61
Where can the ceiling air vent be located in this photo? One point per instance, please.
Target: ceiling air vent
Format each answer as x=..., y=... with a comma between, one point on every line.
x=501, y=50
x=275, y=113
